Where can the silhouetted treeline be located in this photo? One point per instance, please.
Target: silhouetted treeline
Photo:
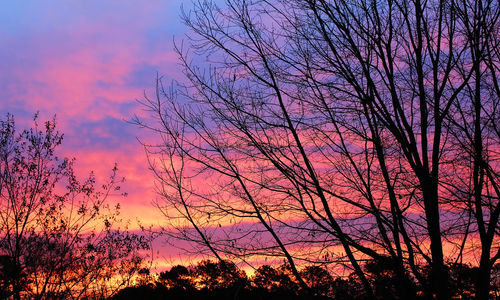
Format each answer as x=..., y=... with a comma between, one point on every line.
x=224, y=280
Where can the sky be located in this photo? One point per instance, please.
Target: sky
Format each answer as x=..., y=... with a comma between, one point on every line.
x=87, y=63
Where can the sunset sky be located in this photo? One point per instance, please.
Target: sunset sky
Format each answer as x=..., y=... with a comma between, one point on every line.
x=356, y=139
x=87, y=62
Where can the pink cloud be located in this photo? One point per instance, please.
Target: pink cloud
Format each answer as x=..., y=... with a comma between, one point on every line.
x=81, y=61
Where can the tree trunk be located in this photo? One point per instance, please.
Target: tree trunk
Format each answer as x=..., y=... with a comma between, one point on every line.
x=439, y=275
x=483, y=276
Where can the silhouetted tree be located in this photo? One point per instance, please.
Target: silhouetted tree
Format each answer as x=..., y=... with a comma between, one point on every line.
x=335, y=132
x=177, y=277
x=386, y=283
x=218, y=275
x=318, y=279
x=275, y=280
x=57, y=238
x=462, y=280
x=348, y=288
x=9, y=274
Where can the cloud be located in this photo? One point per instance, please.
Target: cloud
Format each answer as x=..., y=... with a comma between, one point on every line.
x=87, y=62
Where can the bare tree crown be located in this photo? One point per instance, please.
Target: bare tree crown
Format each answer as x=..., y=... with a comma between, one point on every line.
x=333, y=132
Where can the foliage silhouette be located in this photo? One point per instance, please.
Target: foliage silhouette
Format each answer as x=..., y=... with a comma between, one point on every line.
x=224, y=280
x=58, y=237
x=276, y=282
x=318, y=279
x=216, y=275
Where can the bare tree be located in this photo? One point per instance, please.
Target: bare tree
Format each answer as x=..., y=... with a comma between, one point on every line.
x=336, y=132
x=58, y=237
